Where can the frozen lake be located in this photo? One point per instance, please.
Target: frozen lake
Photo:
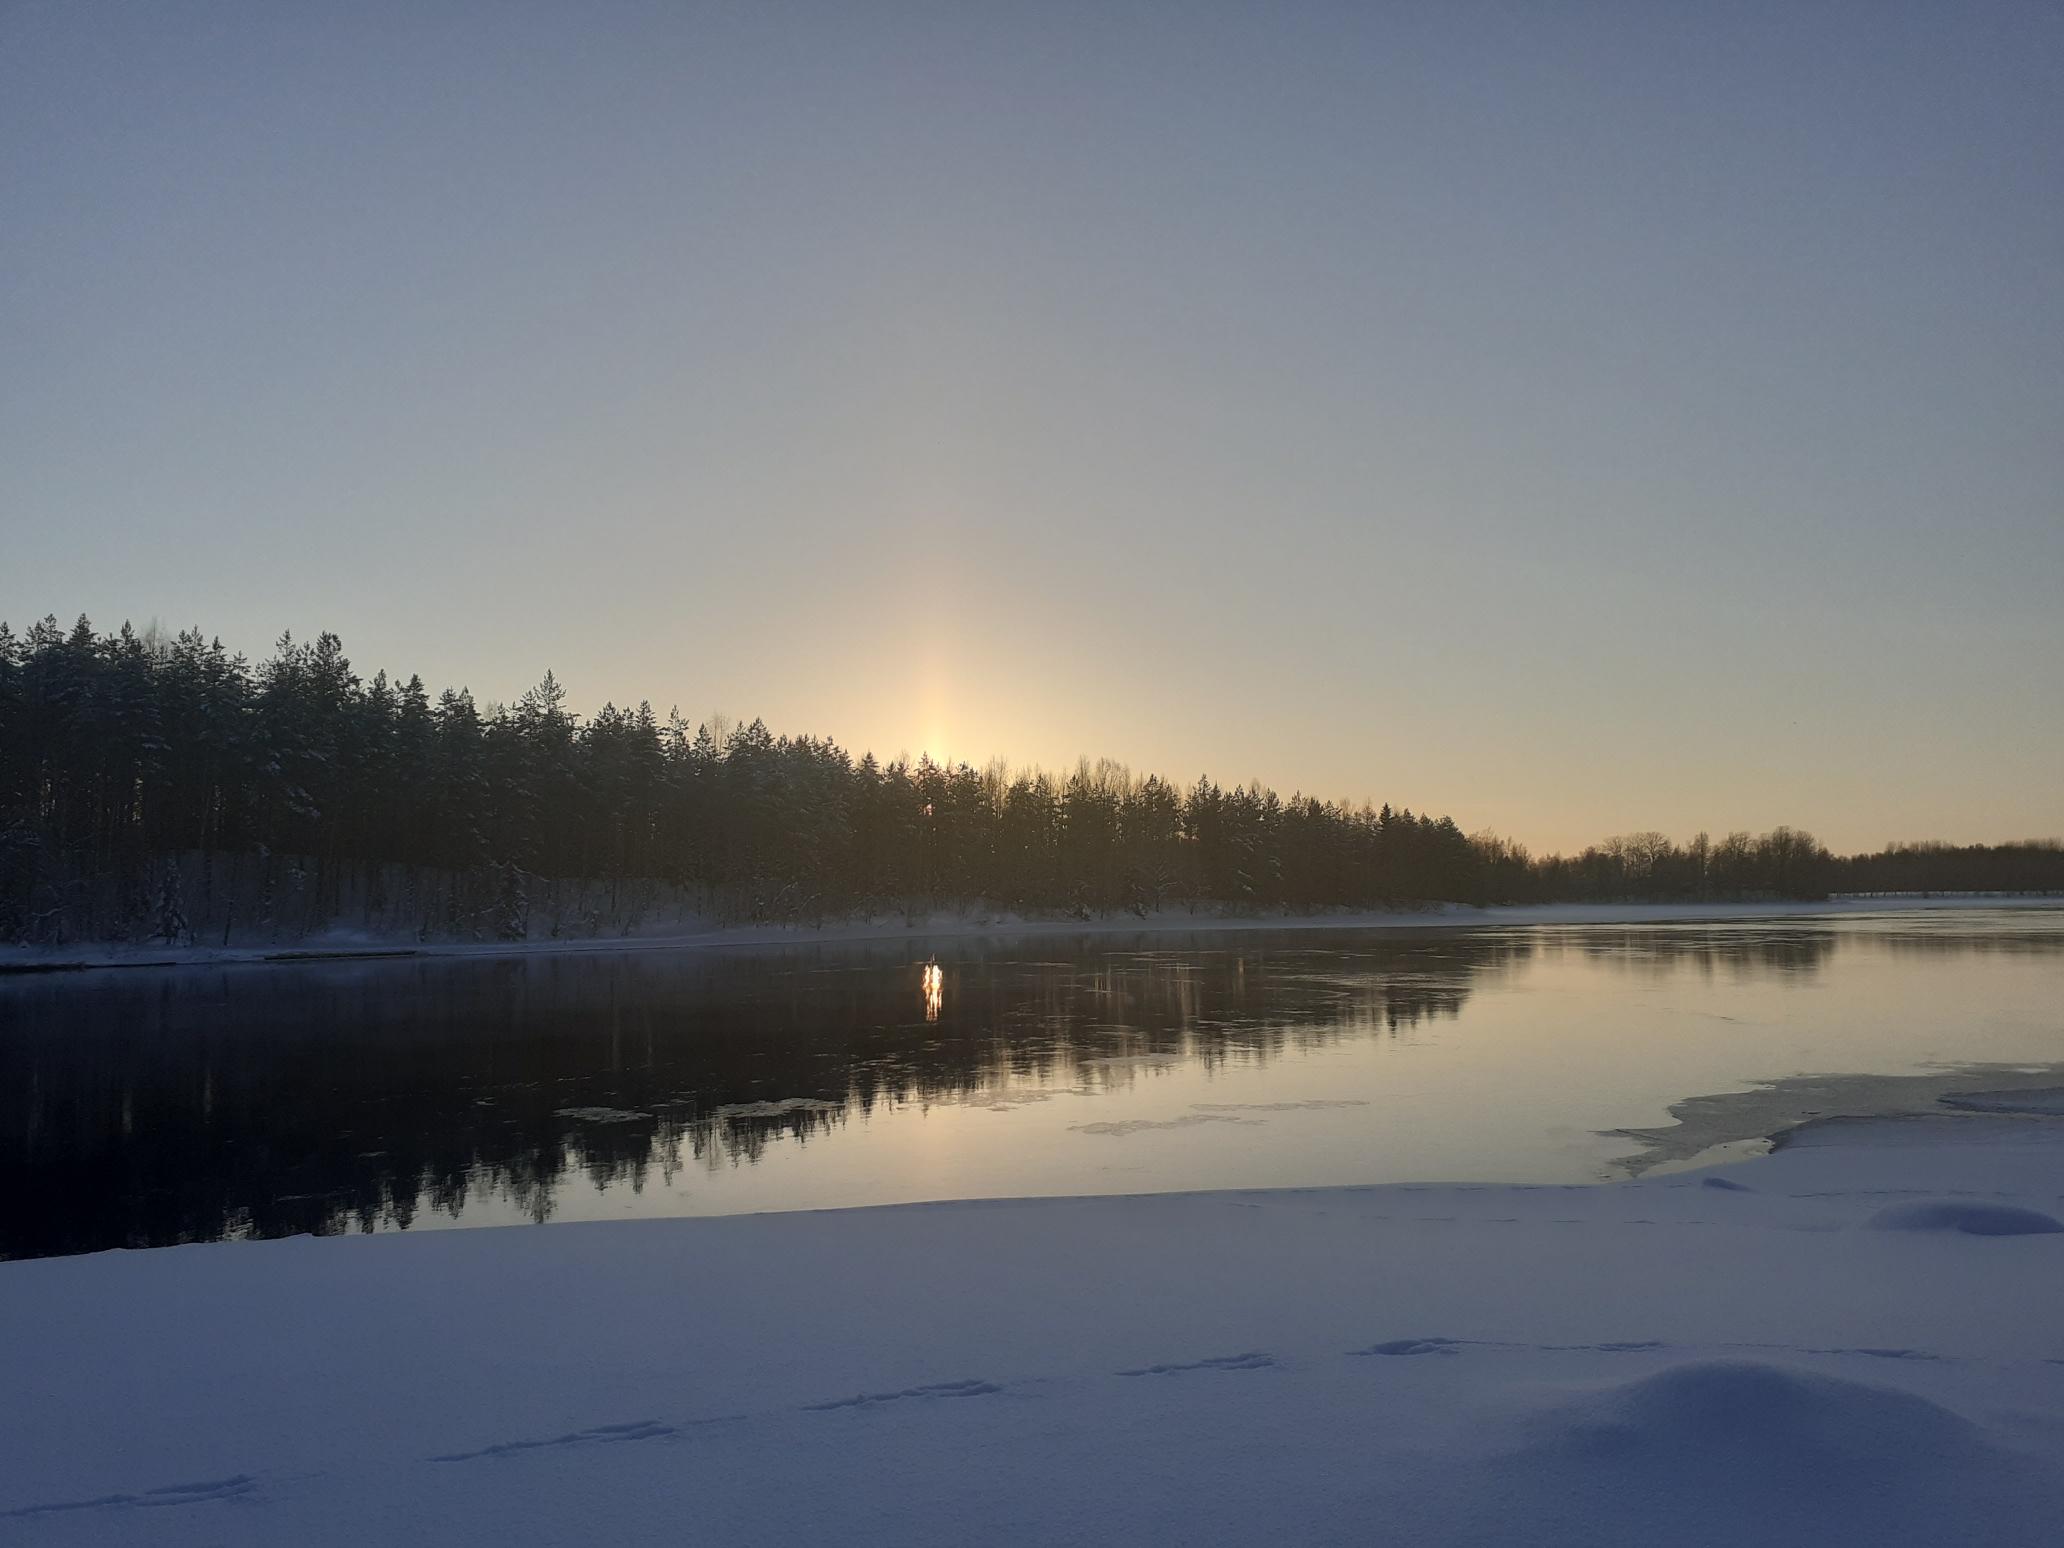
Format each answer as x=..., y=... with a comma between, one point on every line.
x=144, y=1107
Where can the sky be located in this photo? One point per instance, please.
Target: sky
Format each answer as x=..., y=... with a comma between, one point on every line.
x=1578, y=419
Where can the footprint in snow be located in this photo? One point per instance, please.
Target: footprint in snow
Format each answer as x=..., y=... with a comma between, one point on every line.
x=1252, y=1361
x=1411, y=1346
x=637, y=1429
x=1449, y=1346
x=937, y=1389
x=170, y=1494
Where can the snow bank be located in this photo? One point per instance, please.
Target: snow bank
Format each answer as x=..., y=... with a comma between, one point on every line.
x=1736, y=1356
x=961, y=925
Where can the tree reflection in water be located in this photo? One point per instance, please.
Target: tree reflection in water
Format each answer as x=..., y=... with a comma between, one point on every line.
x=150, y=1107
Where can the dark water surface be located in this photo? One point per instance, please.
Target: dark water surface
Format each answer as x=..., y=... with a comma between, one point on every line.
x=146, y=1107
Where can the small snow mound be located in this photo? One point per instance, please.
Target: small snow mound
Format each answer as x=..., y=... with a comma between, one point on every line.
x=1727, y=1185
x=1716, y=1408
x=1963, y=1215
x=1722, y=1452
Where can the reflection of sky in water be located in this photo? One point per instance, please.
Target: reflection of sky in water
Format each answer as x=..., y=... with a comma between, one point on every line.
x=148, y=1107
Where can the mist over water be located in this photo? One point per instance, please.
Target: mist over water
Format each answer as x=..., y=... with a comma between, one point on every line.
x=142, y=1108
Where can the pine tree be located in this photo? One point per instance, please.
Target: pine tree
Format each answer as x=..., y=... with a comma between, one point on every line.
x=170, y=924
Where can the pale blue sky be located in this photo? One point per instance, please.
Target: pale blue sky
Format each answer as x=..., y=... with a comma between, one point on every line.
x=1576, y=418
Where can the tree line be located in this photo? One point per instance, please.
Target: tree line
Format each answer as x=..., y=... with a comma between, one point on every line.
x=161, y=785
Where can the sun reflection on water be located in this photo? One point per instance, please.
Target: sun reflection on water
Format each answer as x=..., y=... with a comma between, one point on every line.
x=934, y=990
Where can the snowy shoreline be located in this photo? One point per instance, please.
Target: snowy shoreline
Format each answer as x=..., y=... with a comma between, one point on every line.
x=1849, y=1341
x=345, y=946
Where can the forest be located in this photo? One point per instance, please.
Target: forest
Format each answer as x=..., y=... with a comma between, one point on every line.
x=158, y=787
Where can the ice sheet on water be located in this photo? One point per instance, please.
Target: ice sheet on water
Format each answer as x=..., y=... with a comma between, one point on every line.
x=600, y=1114
x=780, y=1109
x=1124, y=1126
x=2045, y=1100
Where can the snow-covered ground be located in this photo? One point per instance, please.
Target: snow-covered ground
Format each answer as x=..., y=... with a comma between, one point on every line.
x=963, y=925
x=1853, y=1341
